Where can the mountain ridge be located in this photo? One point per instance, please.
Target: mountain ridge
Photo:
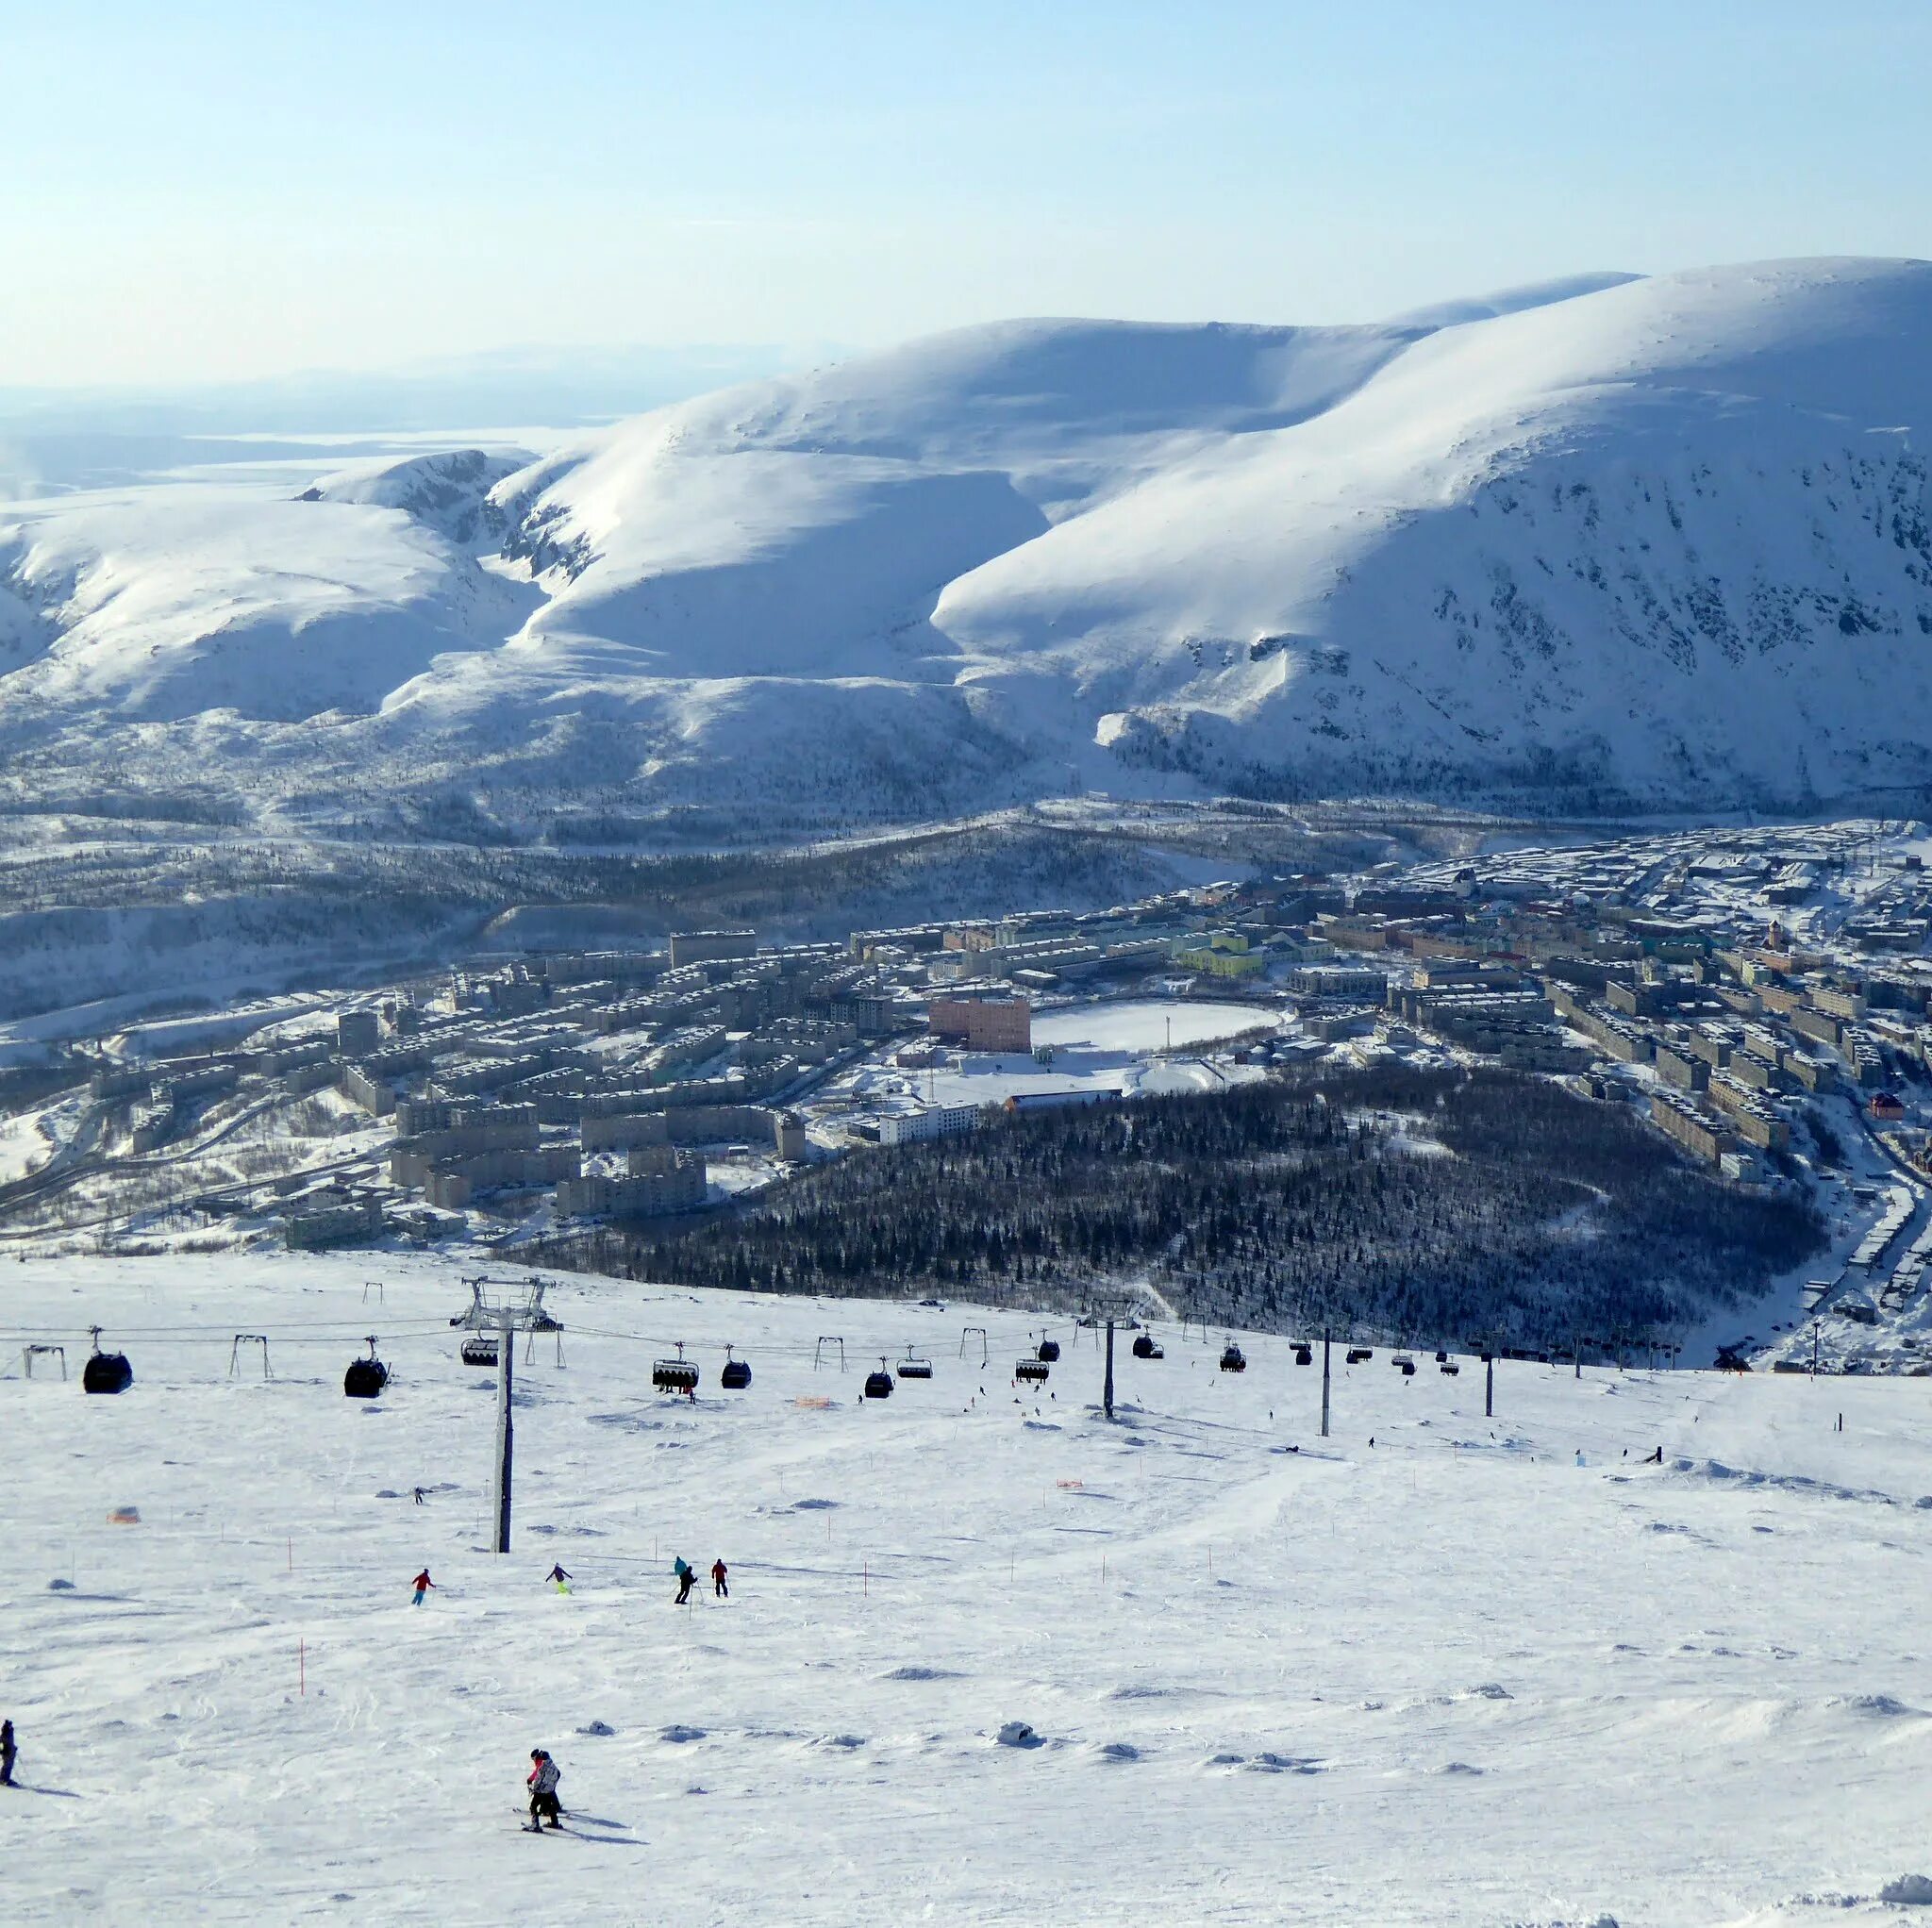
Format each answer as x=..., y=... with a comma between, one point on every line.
x=1619, y=545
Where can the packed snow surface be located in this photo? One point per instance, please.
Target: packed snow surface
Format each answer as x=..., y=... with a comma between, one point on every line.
x=987, y=1657
x=1148, y=1024
x=1611, y=542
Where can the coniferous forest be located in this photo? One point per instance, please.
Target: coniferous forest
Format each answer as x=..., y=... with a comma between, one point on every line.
x=1419, y=1205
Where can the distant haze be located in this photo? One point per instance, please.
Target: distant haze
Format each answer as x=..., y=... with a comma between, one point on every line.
x=216, y=193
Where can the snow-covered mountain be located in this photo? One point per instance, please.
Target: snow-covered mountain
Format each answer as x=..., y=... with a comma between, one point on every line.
x=1614, y=542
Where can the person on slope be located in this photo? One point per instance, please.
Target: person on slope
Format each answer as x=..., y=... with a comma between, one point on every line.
x=718, y=1586
x=421, y=1582
x=542, y=1782
x=558, y=1578
x=9, y=1753
x=685, y=1574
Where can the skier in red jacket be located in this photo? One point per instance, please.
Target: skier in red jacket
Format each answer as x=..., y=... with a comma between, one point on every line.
x=421, y=1582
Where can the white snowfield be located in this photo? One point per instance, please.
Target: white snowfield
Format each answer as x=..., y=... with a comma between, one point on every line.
x=987, y=1659
x=1611, y=542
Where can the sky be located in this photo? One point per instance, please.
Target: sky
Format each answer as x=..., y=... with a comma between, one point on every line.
x=214, y=192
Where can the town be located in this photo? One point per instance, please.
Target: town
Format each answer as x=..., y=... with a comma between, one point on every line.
x=1758, y=994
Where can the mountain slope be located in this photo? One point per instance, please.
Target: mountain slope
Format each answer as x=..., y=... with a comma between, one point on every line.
x=1609, y=543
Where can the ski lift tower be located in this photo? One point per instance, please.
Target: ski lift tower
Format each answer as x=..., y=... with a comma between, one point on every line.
x=507, y=1309
x=1110, y=1309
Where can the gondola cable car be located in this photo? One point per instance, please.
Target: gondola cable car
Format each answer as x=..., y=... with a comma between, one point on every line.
x=106, y=1371
x=365, y=1378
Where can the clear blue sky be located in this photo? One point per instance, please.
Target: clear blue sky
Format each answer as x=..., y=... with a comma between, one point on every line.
x=206, y=189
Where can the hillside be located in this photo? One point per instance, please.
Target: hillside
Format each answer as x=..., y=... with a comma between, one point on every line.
x=984, y=1660
x=1615, y=544
x=1429, y=1207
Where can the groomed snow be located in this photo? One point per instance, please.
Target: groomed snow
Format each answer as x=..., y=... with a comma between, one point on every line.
x=1449, y=1677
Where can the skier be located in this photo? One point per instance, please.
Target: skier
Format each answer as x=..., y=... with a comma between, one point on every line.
x=9, y=1753
x=560, y=1578
x=542, y=1782
x=718, y=1572
x=421, y=1582
x=418, y=1491
x=685, y=1574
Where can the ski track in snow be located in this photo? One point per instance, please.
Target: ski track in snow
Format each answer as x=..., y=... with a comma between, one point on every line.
x=1453, y=1677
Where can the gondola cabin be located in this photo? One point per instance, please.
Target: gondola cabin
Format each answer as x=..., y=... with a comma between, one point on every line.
x=1049, y=1350
x=1407, y=1368
x=1232, y=1358
x=106, y=1371
x=736, y=1375
x=1305, y=1356
x=365, y=1378
x=1144, y=1348
x=878, y=1385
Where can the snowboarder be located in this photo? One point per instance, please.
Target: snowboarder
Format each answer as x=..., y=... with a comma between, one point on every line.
x=542, y=1782
x=685, y=1574
x=558, y=1578
x=718, y=1586
x=9, y=1753
x=421, y=1582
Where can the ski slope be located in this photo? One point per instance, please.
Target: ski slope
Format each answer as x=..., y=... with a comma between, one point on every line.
x=1452, y=1676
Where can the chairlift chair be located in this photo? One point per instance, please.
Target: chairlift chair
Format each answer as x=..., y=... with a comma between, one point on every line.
x=1145, y=1347
x=1032, y=1370
x=479, y=1348
x=878, y=1385
x=914, y=1366
x=1232, y=1358
x=736, y=1375
x=106, y=1371
x=1356, y=1355
x=365, y=1378
x=674, y=1375
x=1449, y=1370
